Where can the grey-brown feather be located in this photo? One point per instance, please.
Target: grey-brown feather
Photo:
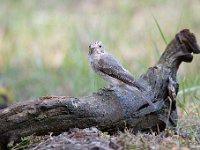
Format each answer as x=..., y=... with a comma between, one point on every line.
x=110, y=66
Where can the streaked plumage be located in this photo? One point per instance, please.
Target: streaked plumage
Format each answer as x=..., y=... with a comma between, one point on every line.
x=106, y=66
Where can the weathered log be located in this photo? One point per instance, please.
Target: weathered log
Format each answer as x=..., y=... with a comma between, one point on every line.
x=110, y=109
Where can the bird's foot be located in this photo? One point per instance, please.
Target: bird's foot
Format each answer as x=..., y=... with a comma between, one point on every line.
x=106, y=89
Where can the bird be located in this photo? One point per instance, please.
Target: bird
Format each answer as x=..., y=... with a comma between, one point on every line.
x=109, y=68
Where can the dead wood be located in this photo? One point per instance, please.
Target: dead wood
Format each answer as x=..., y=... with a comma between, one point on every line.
x=110, y=109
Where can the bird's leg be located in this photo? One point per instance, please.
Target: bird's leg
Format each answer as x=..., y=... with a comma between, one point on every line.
x=109, y=87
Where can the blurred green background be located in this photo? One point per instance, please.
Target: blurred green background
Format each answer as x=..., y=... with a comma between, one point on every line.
x=44, y=44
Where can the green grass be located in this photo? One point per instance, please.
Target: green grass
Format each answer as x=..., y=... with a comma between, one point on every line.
x=44, y=45
x=160, y=30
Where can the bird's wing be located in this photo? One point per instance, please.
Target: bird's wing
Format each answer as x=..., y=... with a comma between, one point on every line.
x=110, y=66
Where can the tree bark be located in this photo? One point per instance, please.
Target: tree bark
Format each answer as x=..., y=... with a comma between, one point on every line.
x=110, y=109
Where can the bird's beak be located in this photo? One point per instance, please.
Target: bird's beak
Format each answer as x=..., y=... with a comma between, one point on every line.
x=90, y=51
x=91, y=48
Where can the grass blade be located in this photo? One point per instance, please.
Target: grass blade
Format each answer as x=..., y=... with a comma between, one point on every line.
x=160, y=30
x=187, y=90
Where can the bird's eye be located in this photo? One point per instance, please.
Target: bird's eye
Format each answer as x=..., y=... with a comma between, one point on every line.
x=100, y=46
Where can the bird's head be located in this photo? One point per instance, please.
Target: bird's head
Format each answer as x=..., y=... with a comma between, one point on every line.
x=96, y=48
